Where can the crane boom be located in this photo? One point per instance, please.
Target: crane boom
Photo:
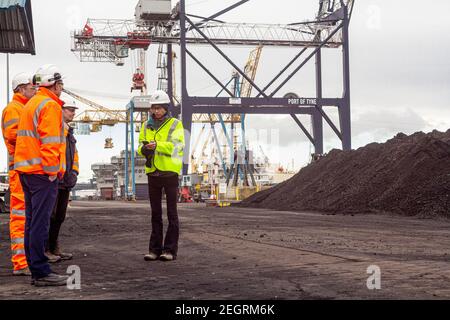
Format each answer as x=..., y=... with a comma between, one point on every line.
x=109, y=40
x=114, y=114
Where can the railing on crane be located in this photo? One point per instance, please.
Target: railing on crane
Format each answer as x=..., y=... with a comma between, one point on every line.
x=109, y=40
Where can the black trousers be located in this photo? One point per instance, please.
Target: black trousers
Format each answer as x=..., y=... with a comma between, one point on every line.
x=57, y=218
x=156, y=185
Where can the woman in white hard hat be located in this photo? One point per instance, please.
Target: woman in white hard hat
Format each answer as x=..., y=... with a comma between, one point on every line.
x=161, y=141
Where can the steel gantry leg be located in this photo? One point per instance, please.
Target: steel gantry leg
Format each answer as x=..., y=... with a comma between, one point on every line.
x=170, y=84
x=127, y=177
x=133, y=162
x=344, y=108
x=186, y=106
x=317, y=119
x=317, y=123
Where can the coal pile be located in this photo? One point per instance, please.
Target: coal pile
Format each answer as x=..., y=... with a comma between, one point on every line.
x=407, y=175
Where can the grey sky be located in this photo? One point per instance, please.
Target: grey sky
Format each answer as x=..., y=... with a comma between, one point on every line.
x=400, y=73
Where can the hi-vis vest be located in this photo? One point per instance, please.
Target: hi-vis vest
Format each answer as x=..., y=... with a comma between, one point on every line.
x=41, y=144
x=169, y=145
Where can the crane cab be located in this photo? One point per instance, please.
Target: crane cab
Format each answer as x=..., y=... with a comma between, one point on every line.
x=138, y=81
x=153, y=10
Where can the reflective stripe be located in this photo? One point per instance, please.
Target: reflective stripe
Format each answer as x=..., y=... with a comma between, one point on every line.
x=173, y=156
x=172, y=129
x=51, y=140
x=38, y=112
x=17, y=252
x=76, y=164
x=162, y=154
x=10, y=158
x=16, y=212
x=18, y=241
x=27, y=133
x=177, y=157
x=26, y=163
x=169, y=138
x=59, y=139
x=10, y=123
x=178, y=145
x=176, y=152
x=51, y=169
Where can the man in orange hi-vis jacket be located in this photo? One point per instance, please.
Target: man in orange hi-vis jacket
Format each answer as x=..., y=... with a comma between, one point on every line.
x=23, y=92
x=40, y=161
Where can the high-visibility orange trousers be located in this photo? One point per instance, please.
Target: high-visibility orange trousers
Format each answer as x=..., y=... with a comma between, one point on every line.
x=17, y=222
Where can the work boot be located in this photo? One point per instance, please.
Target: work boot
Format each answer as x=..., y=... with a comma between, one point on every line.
x=52, y=280
x=151, y=256
x=167, y=256
x=22, y=272
x=52, y=258
x=64, y=256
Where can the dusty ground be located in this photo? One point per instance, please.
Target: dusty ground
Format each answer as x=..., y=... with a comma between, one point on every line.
x=240, y=253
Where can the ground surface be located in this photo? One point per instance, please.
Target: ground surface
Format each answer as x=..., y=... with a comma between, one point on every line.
x=240, y=253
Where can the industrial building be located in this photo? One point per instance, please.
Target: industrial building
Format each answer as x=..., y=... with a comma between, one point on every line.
x=110, y=177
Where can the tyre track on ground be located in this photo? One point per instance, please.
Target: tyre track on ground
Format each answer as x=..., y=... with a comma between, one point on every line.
x=285, y=247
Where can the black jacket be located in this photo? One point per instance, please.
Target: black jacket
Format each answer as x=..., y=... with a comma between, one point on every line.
x=71, y=176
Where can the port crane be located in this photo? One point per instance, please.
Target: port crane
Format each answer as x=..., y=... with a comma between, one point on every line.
x=106, y=40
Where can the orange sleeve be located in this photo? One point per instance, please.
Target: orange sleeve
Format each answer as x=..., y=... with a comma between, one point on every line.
x=10, y=124
x=51, y=133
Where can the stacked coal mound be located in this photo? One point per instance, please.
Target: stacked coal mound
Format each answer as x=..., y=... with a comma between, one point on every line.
x=407, y=175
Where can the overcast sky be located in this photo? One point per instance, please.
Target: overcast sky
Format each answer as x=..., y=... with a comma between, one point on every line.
x=400, y=70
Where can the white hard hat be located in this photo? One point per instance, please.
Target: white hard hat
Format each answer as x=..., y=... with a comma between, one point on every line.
x=71, y=104
x=159, y=97
x=21, y=79
x=47, y=75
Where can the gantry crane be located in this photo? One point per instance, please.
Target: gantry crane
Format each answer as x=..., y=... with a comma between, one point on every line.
x=110, y=41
